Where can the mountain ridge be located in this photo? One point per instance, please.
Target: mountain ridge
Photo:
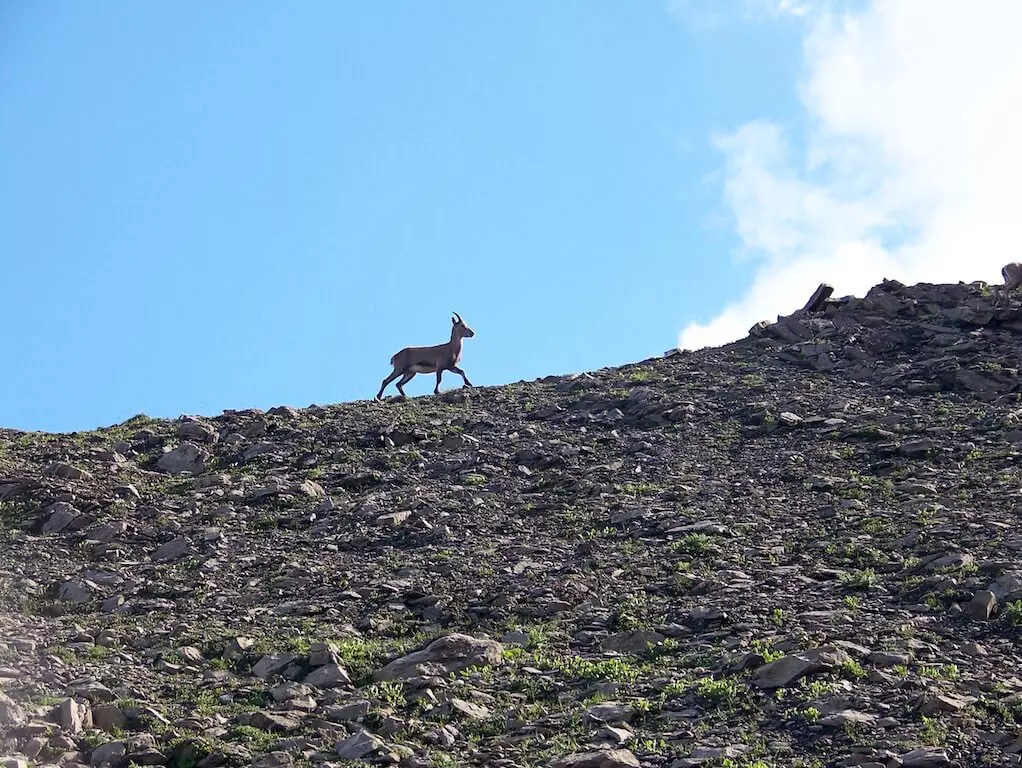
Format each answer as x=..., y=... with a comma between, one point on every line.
x=796, y=549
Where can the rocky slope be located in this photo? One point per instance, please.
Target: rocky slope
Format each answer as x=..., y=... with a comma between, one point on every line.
x=800, y=549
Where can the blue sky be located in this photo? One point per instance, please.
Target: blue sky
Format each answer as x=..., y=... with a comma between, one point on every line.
x=209, y=205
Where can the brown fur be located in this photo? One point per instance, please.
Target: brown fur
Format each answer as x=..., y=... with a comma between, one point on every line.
x=434, y=359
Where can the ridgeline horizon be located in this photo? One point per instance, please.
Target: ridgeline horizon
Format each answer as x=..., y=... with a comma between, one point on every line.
x=797, y=549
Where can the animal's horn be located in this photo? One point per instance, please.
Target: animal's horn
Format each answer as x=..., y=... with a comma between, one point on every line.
x=457, y=316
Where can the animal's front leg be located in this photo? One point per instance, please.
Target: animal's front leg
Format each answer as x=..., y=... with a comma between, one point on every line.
x=463, y=376
x=439, y=375
x=386, y=381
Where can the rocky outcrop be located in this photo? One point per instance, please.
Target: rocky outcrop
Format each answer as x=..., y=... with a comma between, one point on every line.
x=798, y=549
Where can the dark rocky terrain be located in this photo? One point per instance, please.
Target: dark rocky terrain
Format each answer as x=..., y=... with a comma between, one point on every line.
x=801, y=549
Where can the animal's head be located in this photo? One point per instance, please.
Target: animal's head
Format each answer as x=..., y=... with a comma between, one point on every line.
x=460, y=328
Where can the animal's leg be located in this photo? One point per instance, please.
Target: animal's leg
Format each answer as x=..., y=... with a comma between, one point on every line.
x=439, y=375
x=409, y=375
x=463, y=376
x=387, y=381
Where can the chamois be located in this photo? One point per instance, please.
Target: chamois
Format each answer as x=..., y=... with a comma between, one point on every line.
x=1012, y=274
x=435, y=359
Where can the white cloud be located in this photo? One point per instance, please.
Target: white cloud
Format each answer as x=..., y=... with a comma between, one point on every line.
x=911, y=167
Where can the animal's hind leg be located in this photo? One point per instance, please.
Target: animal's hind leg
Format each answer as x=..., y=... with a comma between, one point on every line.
x=409, y=375
x=387, y=381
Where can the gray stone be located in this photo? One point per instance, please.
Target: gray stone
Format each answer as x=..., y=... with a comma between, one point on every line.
x=328, y=676
x=276, y=759
x=928, y=703
x=321, y=654
x=617, y=736
x=274, y=722
x=187, y=458
x=61, y=516
x=196, y=431
x=466, y=710
x=11, y=714
x=94, y=691
x=108, y=717
x=951, y=560
x=607, y=758
x=237, y=647
x=926, y=757
x=447, y=654
x=611, y=712
x=347, y=713
x=846, y=717
x=632, y=641
x=172, y=550
x=73, y=592
x=272, y=664
x=359, y=745
x=112, y=753
x=34, y=747
x=393, y=519
x=66, y=471
x=886, y=659
x=788, y=670
x=289, y=691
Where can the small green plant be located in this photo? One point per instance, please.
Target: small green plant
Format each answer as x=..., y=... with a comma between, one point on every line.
x=513, y=654
x=858, y=579
x=818, y=688
x=538, y=635
x=206, y=703
x=940, y=672
x=474, y=479
x=576, y=667
x=67, y=655
x=390, y=692
x=674, y=688
x=1013, y=613
x=934, y=731
x=642, y=707
x=98, y=652
x=253, y=737
x=809, y=714
x=358, y=656
x=765, y=649
x=852, y=670
x=725, y=693
x=693, y=544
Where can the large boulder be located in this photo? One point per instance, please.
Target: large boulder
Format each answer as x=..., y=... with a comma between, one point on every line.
x=450, y=653
x=187, y=457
